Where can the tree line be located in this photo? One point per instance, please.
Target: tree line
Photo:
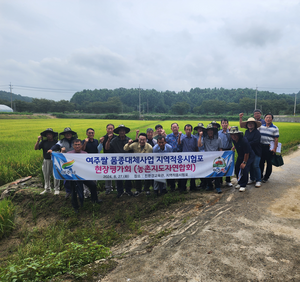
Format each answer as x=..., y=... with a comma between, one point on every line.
x=196, y=101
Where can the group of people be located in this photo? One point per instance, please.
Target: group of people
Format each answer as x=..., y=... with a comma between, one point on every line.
x=253, y=151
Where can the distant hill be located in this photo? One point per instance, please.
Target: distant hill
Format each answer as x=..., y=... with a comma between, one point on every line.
x=6, y=96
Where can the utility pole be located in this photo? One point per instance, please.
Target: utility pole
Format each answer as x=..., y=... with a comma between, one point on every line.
x=10, y=87
x=295, y=105
x=139, y=102
x=255, y=98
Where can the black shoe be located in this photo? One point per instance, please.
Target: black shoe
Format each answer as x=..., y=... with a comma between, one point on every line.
x=67, y=195
x=264, y=180
x=99, y=201
x=136, y=193
x=120, y=195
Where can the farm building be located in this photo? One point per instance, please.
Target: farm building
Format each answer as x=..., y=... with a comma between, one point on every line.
x=4, y=108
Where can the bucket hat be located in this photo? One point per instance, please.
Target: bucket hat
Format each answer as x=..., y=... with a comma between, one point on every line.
x=244, y=123
x=67, y=130
x=121, y=126
x=235, y=130
x=200, y=125
x=215, y=123
x=49, y=130
x=210, y=126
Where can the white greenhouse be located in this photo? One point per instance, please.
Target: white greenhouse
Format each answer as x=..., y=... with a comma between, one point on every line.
x=4, y=108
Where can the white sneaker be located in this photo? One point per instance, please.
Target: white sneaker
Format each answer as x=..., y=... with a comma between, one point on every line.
x=251, y=181
x=258, y=184
x=56, y=192
x=229, y=184
x=242, y=189
x=45, y=191
x=237, y=186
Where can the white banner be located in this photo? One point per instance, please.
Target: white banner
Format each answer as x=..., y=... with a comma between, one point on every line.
x=143, y=166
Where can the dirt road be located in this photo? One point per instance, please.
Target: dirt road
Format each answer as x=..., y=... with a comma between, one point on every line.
x=250, y=236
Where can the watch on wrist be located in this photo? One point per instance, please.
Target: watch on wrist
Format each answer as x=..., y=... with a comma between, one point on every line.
x=244, y=162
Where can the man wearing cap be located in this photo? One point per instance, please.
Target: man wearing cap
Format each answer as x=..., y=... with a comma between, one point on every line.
x=245, y=157
x=172, y=140
x=65, y=144
x=215, y=125
x=269, y=135
x=117, y=146
x=226, y=143
x=104, y=143
x=211, y=142
x=48, y=139
x=139, y=146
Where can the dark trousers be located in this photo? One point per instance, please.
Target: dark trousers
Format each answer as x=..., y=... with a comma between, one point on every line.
x=266, y=156
x=171, y=183
x=182, y=184
x=244, y=179
x=139, y=185
x=209, y=183
x=77, y=190
x=120, y=187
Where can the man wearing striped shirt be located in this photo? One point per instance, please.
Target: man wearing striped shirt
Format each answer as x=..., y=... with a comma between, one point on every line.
x=269, y=133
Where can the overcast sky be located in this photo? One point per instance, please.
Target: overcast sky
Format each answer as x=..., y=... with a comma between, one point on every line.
x=164, y=45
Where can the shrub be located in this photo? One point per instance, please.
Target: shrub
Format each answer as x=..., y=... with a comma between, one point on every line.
x=42, y=267
x=7, y=216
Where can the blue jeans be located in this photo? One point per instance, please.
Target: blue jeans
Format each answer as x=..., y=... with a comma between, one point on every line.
x=255, y=173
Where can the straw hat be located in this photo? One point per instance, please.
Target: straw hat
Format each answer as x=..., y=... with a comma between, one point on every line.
x=244, y=123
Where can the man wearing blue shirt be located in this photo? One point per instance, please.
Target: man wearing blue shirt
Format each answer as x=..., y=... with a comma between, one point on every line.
x=226, y=143
x=172, y=140
x=188, y=143
x=161, y=147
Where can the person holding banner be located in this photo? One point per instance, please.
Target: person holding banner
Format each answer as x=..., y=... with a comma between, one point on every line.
x=200, y=128
x=104, y=143
x=245, y=157
x=161, y=147
x=226, y=143
x=117, y=146
x=211, y=142
x=65, y=144
x=77, y=186
x=189, y=143
x=172, y=140
x=48, y=139
x=140, y=146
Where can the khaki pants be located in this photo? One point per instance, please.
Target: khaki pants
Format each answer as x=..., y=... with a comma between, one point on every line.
x=48, y=171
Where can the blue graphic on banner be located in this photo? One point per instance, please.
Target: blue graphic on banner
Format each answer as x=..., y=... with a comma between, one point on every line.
x=223, y=165
x=63, y=169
